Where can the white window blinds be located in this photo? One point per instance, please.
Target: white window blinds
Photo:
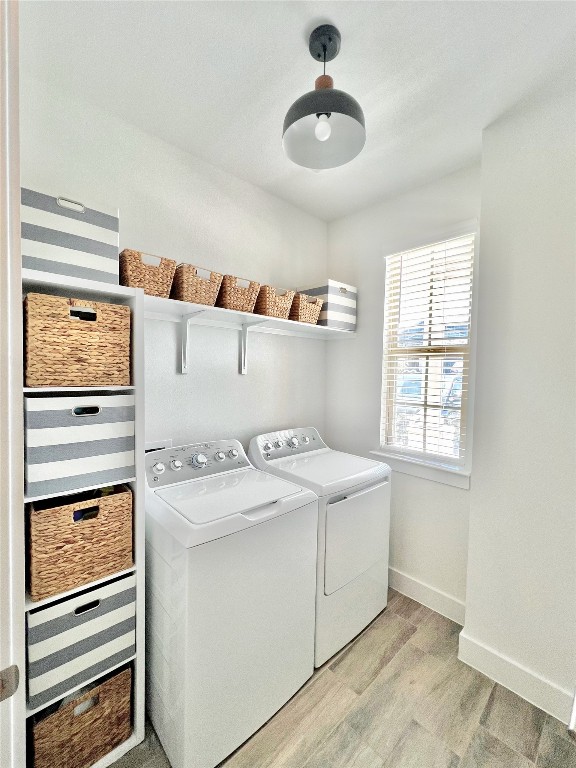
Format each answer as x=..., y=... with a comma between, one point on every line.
x=427, y=351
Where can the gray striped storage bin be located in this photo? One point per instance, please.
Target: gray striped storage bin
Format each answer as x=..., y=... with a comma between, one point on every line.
x=67, y=238
x=339, y=308
x=74, y=443
x=80, y=638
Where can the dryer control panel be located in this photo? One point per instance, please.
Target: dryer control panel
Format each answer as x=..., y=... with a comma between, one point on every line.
x=287, y=442
x=169, y=466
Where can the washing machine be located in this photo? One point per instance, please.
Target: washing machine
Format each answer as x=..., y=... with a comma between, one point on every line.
x=231, y=583
x=353, y=529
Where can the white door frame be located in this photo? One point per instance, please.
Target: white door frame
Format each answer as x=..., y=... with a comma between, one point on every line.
x=12, y=709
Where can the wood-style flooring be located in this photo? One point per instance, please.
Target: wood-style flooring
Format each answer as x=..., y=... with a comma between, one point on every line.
x=397, y=697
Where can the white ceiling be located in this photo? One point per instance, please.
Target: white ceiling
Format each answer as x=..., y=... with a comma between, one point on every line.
x=216, y=79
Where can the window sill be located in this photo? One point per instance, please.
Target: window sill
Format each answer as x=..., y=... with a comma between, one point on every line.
x=458, y=478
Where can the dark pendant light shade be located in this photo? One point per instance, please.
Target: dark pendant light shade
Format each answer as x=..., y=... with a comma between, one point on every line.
x=343, y=134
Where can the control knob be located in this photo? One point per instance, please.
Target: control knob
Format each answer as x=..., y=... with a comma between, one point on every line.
x=159, y=468
x=199, y=460
x=293, y=442
x=279, y=443
x=267, y=447
x=305, y=439
x=176, y=464
x=219, y=455
x=233, y=453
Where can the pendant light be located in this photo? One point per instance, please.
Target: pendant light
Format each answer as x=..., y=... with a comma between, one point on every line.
x=325, y=127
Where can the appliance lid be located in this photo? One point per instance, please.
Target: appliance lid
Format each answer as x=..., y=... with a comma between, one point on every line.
x=326, y=471
x=206, y=500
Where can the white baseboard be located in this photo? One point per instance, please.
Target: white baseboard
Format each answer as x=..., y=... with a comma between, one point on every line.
x=543, y=693
x=433, y=598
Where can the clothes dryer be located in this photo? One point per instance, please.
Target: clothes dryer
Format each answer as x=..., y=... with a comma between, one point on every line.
x=353, y=529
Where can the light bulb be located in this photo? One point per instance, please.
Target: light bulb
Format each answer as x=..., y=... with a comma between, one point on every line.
x=323, y=128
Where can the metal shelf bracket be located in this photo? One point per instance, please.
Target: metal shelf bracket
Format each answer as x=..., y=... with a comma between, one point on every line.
x=244, y=328
x=243, y=367
x=184, y=327
x=243, y=350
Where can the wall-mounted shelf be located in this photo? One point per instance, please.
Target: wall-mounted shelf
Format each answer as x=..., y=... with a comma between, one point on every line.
x=182, y=312
x=156, y=308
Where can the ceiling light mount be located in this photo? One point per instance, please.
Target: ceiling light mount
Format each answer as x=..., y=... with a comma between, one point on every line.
x=325, y=38
x=324, y=128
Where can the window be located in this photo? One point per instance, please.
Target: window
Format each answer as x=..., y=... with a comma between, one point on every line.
x=427, y=316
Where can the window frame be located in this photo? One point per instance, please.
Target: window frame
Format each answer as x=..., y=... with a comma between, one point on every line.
x=439, y=469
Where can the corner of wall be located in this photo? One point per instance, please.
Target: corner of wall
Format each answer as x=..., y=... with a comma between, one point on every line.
x=527, y=683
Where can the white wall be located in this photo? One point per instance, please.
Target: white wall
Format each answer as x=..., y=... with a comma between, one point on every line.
x=521, y=598
x=175, y=205
x=429, y=536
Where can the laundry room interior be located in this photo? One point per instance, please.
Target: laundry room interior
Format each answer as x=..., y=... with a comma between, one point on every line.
x=287, y=384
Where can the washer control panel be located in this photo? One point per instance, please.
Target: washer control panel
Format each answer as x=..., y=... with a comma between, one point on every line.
x=287, y=442
x=168, y=466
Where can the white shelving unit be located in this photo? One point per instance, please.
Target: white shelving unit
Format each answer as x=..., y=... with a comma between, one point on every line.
x=185, y=313
x=38, y=282
x=42, y=497
x=29, y=604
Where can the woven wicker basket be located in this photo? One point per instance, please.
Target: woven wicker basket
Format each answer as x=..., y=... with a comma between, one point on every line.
x=78, y=539
x=306, y=309
x=75, y=343
x=234, y=296
x=272, y=303
x=156, y=280
x=188, y=285
x=77, y=736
